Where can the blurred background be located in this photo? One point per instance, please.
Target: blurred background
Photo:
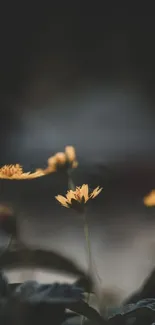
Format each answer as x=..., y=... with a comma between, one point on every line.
x=82, y=75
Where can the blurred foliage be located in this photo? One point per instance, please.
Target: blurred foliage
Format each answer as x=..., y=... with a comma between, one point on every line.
x=34, y=303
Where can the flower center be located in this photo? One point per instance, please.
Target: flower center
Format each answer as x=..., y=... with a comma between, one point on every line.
x=11, y=170
x=78, y=195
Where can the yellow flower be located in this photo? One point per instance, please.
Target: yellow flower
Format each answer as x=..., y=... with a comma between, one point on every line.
x=16, y=172
x=64, y=160
x=149, y=200
x=78, y=197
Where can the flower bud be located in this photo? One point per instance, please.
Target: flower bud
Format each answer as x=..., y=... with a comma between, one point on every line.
x=70, y=153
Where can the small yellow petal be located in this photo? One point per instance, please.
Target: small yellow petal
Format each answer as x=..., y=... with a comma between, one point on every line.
x=84, y=192
x=70, y=195
x=96, y=192
x=62, y=200
x=36, y=174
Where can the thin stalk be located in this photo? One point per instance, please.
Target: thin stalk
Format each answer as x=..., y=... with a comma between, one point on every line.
x=71, y=185
x=87, y=238
x=88, y=244
x=91, y=264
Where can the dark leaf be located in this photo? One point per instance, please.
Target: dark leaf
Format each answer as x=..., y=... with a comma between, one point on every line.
x=4, y=287
x=142, y=312
x=146, y=291
x=32, y=303
x=82, y=308
x=56, y=293
x=48, y=260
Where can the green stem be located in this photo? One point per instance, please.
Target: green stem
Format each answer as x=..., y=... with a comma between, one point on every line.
x=71, y=185
x=90, y=259
x=87, y=238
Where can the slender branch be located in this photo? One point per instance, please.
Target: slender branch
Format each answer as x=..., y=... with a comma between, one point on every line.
x=91, y=264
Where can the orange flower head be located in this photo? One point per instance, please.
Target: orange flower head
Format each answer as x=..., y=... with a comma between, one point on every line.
x=16, y=172
x=76, y=199
x=149, y=200
x=62, y=160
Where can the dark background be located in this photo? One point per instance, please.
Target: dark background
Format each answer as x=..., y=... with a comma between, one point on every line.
x=83, y=75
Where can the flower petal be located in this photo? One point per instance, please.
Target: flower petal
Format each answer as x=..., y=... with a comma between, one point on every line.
x=96, y=192
x=70, y=195
x=28, y=175
x=70, y=153
x=60, y=158
x=36, y=174
x=84, y=192
x=48, y=170
x=52, y=161
x=62, y=200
